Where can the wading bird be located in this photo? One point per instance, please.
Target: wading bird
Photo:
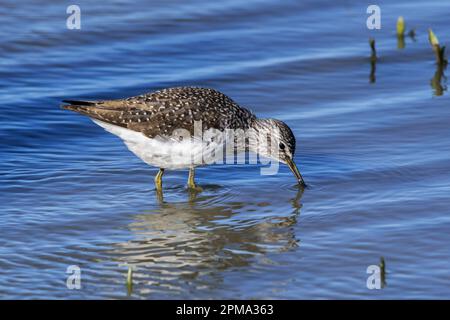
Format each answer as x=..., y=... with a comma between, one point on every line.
x=146, y=123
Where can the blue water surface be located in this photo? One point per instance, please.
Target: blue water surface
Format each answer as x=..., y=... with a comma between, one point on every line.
x=373, y=145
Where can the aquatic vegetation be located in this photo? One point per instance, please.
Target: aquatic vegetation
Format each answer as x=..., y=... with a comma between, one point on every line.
x=438, y=50
x=129, y=281
x=373, y=50
x=400, y=27
x=400, y=33
x=373, y=60
x=441, y=60
x=382, y=266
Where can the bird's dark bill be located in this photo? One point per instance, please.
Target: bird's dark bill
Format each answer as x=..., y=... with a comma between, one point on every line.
x=294, y=169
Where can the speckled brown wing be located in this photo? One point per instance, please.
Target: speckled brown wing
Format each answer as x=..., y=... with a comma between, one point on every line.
x=161, y=112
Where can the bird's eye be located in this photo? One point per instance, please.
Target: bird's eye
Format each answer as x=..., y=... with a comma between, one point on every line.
x=282, y=146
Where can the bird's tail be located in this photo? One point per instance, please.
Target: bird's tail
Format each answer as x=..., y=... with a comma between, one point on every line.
x=105, y=111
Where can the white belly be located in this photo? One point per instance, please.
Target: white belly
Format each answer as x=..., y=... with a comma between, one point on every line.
x=168, y=153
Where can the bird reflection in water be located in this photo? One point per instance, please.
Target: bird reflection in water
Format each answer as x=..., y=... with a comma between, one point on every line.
x=187, y=246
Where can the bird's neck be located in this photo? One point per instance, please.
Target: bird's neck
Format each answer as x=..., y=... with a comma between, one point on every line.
x=259, y=135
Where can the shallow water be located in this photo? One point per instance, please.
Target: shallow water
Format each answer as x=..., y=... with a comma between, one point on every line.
x=376, y=155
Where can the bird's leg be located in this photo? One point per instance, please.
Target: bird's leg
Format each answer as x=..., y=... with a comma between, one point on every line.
x=158, y=180
x=191, y=182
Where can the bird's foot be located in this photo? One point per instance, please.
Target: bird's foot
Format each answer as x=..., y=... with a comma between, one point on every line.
x=194, y=188
x=191, y=181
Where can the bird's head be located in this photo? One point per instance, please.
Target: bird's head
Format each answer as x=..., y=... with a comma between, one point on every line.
x=276, y=141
